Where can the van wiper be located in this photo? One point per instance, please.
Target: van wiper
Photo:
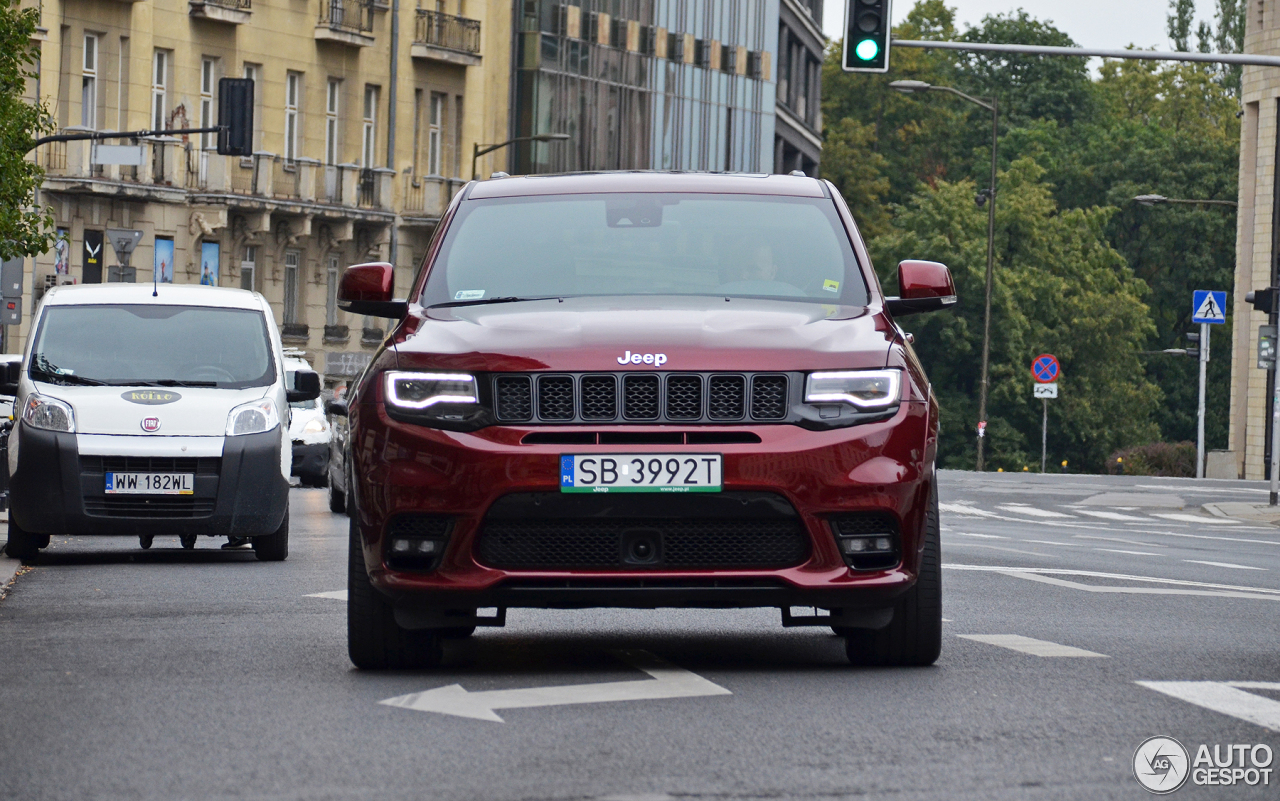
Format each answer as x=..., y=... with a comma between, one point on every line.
x=53, y=374
x=164, y=382
x=486, y=301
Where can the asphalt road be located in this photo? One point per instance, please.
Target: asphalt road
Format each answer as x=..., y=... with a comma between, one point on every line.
x=174, y=674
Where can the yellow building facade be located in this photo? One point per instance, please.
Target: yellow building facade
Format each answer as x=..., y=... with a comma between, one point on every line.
x=365, y=118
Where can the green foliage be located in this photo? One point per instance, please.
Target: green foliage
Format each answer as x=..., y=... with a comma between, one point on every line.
x=23, y=230
x=1170, y=459
x=1082, y=271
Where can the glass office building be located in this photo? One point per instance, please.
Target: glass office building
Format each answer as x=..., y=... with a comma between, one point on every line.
x=646, y=84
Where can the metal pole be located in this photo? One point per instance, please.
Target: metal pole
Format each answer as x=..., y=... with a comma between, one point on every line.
x=1275, y=444
x=1044, y=434
x=1243, y=59
x=991, y=258
x=1204, y=365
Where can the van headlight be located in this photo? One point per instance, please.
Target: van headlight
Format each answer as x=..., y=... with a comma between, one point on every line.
x=50, y=414
x=865, y=389
x=253, y=417
x=439, y=400
x=316, y=426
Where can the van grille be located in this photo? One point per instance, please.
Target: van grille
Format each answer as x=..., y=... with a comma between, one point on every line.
x=644, y=397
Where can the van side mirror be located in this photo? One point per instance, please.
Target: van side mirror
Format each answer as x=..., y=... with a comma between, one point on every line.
x=367, y=288
x=337, y=408
x=306, y=386
x=922, y=286
x=10, y=376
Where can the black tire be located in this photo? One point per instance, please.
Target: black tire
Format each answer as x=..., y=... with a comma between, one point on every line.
x=914, y=637
x=188, y=541
x=145, y=540
x=23, y=544
x=374, y=640
x=337, y=499
x=273, y=547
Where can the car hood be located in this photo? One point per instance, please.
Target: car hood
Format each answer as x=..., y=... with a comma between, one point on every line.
x=182, y=411
x=691, y=333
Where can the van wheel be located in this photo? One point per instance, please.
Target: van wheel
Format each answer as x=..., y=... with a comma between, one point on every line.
x=914, y=636
x=188, y=541
x=145, y=540
x=374, y=640
x=273, y=547
x=23, y=544
x=337, y=498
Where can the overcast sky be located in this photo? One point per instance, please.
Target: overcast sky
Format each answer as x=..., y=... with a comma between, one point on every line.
x=1091, y=23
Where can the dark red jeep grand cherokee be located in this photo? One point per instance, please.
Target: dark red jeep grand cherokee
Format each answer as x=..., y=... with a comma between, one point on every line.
x=644, y=390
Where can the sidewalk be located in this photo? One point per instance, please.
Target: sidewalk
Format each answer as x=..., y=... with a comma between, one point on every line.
x=1252, y=512
x=8, y=567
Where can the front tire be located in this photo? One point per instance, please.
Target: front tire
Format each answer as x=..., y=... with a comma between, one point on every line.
x=273, y=547
x=914, y=637
x=374, y=640
x=337, y=498
x=23, y=544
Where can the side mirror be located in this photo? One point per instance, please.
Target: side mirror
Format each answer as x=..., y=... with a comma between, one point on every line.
x=922, y=286
x=367, y=288
x=306, y=386
x=337, y=408
x=10, y=376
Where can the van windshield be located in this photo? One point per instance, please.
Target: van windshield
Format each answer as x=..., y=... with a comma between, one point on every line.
x=750, y=246
x=143, y=345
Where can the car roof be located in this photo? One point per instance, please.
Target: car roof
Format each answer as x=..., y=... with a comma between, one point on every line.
x=168, y=295
x=649, y=181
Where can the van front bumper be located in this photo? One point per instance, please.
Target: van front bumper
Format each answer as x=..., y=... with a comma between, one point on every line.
x=58, y=491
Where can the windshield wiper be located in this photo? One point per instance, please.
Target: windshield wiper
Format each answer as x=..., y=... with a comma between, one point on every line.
x=486, y=301
x=164, y=382
x=41, y=366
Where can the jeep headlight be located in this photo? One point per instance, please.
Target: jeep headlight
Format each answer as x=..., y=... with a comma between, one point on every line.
x=865, y=389
x=253, y=417
x=424, y=391
x=50, y=414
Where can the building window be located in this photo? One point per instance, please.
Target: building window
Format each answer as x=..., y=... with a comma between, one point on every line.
x=331, y=122
x=433, y=133
x=249, y=268
x=159, y=90
x=331, y=298
x=292, y=91
x=89, y=83
x=208, y=140
x=291, y=258
x=368, y=143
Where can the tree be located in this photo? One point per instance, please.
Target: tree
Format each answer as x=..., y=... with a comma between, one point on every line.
x=24, y=230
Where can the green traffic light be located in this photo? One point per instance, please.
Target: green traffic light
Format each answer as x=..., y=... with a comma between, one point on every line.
x=867, y=50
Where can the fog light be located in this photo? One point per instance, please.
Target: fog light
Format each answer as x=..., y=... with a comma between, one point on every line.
x=883, y=544
x=855, y=546
x=400, y=546
x=427, y=546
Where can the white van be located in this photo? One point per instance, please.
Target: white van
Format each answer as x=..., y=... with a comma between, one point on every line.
x=146, y=411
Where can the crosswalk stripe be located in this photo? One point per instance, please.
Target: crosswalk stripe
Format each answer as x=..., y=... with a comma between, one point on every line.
x=1029, y=645
x=1033, y=511
x=1224, y=698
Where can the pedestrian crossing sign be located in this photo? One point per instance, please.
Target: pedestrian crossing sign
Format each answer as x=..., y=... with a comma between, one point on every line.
x=1208, y=306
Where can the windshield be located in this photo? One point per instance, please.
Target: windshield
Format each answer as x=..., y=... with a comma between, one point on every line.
x=646, y=244
x=132, y=345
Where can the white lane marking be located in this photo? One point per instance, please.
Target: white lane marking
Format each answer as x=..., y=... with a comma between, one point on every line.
x=1200, y=489
x=1032, y=511
x=998, y=548
x=1223, y=564
x=1205, y=537
x=337, y=595
x=1225, y=697
x=1057, y=582
x=1131, y=553
x=1021, y=572
x=1213, y=521
x=947, y=620
x=671, y=682
x=1117, y=539
x=1063, y=544
x=980, y=536
x=962, y=509
x=1028, y=645
x=1112, y=515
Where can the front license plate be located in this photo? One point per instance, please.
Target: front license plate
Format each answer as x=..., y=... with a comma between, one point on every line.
x=641, y=472
x=150, y=483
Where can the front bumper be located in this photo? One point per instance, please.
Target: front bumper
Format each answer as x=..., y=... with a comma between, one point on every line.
x=57, y=491
x=884, y=467
x=310, y=460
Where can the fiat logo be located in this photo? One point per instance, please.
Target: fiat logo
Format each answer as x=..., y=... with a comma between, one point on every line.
x=151, y=424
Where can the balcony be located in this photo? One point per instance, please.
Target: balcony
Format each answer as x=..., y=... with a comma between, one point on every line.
x=446, y=38
x=347, y=22
x=234, y=12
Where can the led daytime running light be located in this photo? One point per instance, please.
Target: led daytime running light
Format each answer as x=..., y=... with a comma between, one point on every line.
x=839, y=387
x=441, y=392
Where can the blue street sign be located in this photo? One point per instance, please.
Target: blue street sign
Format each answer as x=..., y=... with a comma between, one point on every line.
x=1208, y=306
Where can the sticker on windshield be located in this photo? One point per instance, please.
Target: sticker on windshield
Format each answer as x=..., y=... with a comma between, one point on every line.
x=468, y=294
x=831, y=286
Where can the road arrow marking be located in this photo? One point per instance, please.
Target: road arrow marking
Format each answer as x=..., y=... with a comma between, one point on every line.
x=1226, y=697
x=670, y=682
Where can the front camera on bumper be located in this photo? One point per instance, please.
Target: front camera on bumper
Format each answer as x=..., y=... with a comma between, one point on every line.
x=865, y=389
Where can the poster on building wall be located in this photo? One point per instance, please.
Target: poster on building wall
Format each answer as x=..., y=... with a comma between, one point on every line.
x=62, y=252
x=208, y=263
x=92, y=257
x=164, y=260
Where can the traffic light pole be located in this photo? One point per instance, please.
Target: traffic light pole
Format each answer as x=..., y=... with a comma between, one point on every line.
x=96, y=135
x=1204, y=367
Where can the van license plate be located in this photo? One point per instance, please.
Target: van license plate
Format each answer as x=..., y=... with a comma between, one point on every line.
x=641, y=472
x=150, y=483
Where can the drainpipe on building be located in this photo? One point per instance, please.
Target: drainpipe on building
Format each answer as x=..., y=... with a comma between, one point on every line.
x=391, y=128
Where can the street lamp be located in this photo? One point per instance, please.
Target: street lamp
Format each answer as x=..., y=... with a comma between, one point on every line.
x=481, y=150
x=911, y=87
